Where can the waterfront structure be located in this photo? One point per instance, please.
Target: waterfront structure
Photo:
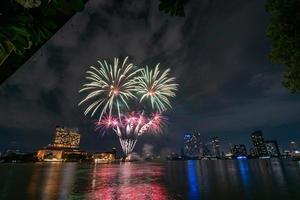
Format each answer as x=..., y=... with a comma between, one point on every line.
x=286, y=154
x=66, y=138
x=228, y=156
x=272, y=148
x=65, y=146
x=239, y=150
x=191, y=146
x=174, y=156
x=55, y=154
x=49, y=154
x=293, y=147
x=105, y=157
x=199, y=144
x=295, y=152
x=216, y=147
x=206, y=150
x=258, y=143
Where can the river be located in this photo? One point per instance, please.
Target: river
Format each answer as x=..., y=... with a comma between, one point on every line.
x=215, y=179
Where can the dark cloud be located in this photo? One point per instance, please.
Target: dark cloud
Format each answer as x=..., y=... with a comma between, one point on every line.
x=218, y=52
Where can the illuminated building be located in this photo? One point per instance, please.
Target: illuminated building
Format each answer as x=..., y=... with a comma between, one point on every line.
x=272, y=148
x=59, y=154
x=293, y=146
x=216, y=147
x=191, y=146
x=206, y=150
x=295, y=152
x=286, y=153
x=252, y=152
x=65, y=147
x=105, y=157
x=66, y=138
x=199, y=144
x=239, y=150
x=258, y=143
x=49, y=154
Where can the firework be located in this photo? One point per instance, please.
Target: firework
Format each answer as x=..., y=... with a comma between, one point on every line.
x=110, y=87
x=156, y=87
x=129, y=127
x=115, y=90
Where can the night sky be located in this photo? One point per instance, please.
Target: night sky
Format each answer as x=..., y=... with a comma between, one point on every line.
x=218, y=52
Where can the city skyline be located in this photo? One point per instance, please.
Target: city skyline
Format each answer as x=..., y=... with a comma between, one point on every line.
x=205, y=146
x=195, y=145
x=220, y=57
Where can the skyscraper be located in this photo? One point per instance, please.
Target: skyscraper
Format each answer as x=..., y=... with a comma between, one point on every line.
x=65, y=146
x=258, y=143
x=252, y=152
x=239, y=150
x=191, y=146
x=199, y=144
x=272, y=148
x=293, y=146
x=216, y=147
x=66, y=138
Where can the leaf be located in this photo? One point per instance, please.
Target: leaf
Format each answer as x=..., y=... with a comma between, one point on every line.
x=77, y=5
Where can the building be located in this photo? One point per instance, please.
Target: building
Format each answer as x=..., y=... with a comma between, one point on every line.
x=65, y=146
x=49, y=154
x=252, y=152
x=272, y=148
x=199, y=144
x=191, y=146
x=239, y=150
x=216, y=147
x=59, y=154
x=206, y=150
x=258, y=143
x=295, y=152
x=293, y=147
x=105, y=157
x=66, y=138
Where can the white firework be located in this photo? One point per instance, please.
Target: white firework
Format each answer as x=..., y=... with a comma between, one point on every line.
x=110, y=87
x=157, y=87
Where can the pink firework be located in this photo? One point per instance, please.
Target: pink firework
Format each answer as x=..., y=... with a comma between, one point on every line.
x=106, y=123
x=116, y=89
x=157, y=123
x=133, y=123
x=128, y=127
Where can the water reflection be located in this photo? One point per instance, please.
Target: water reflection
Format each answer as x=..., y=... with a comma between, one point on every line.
x=51, y=181
x=244, y=172
x=244, y=179
x=127, y=181
x=194, y=187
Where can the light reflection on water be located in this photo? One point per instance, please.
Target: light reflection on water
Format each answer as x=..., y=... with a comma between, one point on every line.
x=242, y=179
x=127, y=181
x=194, y=186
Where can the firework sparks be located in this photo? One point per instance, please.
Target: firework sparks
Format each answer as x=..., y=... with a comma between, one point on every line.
x=130, y=126
x=112, y=89
x=157, y=87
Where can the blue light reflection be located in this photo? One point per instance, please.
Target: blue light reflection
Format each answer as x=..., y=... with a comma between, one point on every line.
x=194, y=187
x=244, y=172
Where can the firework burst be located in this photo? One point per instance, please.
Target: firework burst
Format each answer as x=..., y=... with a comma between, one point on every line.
x=116, y=90
x=157, y=87
x=110, y=87
x=129, y=127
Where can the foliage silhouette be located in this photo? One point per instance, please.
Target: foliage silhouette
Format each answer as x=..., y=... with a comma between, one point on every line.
x=284, y=31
